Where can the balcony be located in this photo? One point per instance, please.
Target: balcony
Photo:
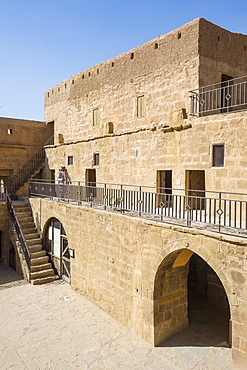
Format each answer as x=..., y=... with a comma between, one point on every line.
x=221, y=212
x=223, y=97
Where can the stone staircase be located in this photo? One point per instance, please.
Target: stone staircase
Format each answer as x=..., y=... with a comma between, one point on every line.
x=40, y=269
x=23, y=190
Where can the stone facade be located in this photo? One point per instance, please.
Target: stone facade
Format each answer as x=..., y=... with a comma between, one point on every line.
x=20, y=139
x=126, y=266
x=128, y=120
x=133, y=112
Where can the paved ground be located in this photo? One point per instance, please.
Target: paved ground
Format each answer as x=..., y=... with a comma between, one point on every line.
x=53, y=327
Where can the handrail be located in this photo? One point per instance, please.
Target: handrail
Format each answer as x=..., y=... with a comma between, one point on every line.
x=23, y=175
x=222, y=97
x=137, y=186
x=219, y=211
x=18, y=231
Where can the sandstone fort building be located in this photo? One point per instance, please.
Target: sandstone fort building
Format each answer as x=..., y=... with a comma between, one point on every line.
x=155, y=143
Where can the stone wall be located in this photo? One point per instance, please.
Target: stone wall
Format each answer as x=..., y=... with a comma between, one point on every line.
x=170, y=299
x=20, y=139
x=221, y=52
x=4, y=228
x=134, y=157
x=162, y=70
x=119, y=261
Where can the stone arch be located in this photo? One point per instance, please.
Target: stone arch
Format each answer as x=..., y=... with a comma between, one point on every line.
x=55, y=243
x=215, y=264
x=170, y=291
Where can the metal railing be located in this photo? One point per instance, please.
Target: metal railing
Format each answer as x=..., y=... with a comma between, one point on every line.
x=24, y=174
x=18, y=231
x=217, y=211
x=222, y=97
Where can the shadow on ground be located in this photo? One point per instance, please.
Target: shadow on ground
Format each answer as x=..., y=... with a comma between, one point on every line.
x=208, y=326
x=8, y=276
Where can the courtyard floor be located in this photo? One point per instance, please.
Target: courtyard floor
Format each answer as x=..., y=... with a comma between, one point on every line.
x=53, y=327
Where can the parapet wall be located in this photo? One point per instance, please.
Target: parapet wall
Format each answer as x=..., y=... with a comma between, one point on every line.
x=161, y=70
x=221, y=52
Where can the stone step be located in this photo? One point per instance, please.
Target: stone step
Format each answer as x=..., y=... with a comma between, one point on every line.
x=31, y=242
x=43, y=266
x=29, y=236
x=27, y=225
x=35, y=248
x=30, y=231
x=44, y=280
x=36, y=261
x=21, y=209
x=24, y=214
x=41, y=274
x=19, y=203
x=23, y=220
x=38, y=254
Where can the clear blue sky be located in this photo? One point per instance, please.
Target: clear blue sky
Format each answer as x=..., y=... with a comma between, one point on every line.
x=43, y=42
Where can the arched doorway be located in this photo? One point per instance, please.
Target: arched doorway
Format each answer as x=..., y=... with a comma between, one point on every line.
x=56, y=245
x=190, y=303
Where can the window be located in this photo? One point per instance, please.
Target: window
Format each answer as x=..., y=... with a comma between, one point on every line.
x=140, y=106
x=218, y=155
x=95, y=117
x=95, y=159
x=110, y=128
x=70, y=160
x=10, y=131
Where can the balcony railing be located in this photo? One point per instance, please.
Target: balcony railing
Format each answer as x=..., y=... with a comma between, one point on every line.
x=223, y=97
x=216, y=211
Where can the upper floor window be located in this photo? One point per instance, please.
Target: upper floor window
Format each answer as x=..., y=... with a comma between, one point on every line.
x=218, y=154
x=140, y=106
x=96, y=159
x=95, y=117
x=70, y=160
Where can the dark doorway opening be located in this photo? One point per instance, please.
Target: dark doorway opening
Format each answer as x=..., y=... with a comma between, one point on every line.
x=91, y=183
x=206, y=305
x=12, y=258
x=195, y=188
x=0, y=245
x=226, y=93
x=164, y=186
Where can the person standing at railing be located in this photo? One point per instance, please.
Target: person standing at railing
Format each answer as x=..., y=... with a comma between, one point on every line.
x=63, y=178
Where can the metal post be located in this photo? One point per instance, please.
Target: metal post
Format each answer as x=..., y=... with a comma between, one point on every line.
x=192, y=105
x=105, y=197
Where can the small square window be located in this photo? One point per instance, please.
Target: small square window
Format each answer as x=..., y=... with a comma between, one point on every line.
x=218, y=154
x=10, y=131
x=95, y=159
x=70, y=160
